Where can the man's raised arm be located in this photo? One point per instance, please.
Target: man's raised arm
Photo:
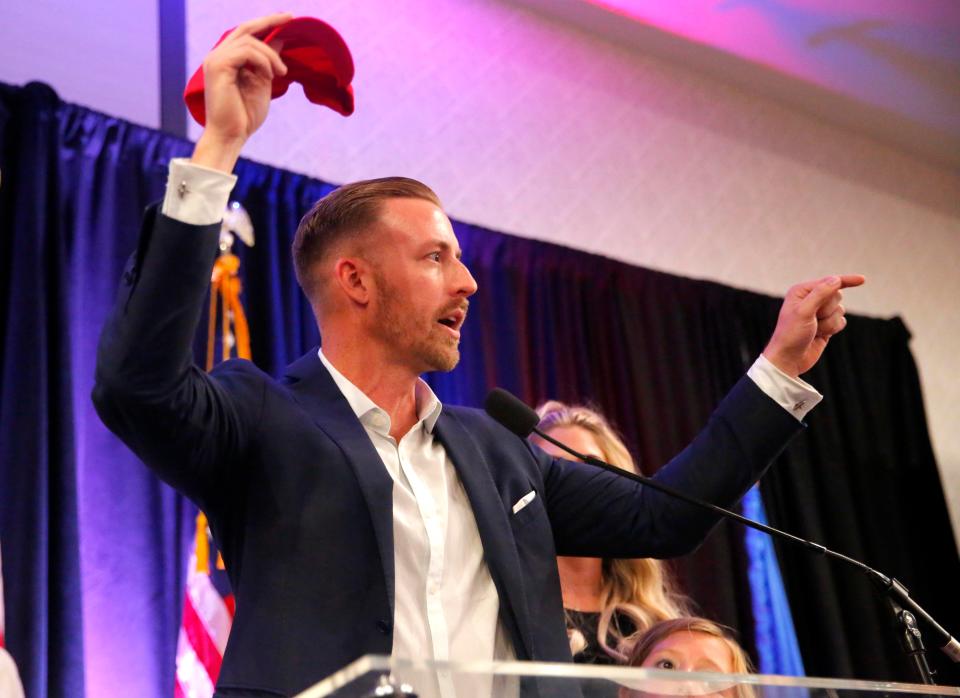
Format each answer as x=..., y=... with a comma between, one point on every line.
x=184, y=424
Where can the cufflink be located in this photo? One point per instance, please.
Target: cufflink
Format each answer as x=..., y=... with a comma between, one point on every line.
x=182, y=189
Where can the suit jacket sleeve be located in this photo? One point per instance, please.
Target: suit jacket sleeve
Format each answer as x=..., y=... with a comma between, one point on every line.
x=186, y=425
x=597, y=513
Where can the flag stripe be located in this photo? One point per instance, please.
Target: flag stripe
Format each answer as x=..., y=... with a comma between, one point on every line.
x=204, y=628
x=201, y=642
x=192, y=678
x=211, y=608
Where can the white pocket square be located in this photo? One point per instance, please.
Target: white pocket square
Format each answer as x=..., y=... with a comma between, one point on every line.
x=524, y=501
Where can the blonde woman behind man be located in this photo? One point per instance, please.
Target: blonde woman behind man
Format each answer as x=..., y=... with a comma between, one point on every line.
x=607, y=602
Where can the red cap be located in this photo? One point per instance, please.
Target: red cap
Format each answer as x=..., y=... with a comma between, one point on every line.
x=316, y=56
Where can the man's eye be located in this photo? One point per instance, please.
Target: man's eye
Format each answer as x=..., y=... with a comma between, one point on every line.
x=664, y=664
x=435, y=256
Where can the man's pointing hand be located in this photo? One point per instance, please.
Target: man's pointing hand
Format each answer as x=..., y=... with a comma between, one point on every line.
x=811, y=314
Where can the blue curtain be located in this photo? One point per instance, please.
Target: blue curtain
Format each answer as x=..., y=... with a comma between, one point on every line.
x=94, y=547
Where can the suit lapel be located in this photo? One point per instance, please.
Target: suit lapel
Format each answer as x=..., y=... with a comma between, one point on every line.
x=499, y=547
x=314, y=388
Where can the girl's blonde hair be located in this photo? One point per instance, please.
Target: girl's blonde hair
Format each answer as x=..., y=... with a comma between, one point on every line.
x=640, y=589
x=656, y=634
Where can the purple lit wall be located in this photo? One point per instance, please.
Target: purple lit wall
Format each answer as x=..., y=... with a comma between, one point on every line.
x=101, y=54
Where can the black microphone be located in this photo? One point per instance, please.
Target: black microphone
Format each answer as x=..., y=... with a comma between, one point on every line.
x=518, y=417
x=511, y=412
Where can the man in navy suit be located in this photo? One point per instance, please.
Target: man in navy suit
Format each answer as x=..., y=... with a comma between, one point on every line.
x=356, y=514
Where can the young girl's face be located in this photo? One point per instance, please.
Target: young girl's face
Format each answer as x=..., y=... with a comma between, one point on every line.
x=691, y=651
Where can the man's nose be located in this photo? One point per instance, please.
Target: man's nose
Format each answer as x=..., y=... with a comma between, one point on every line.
x=466, y=284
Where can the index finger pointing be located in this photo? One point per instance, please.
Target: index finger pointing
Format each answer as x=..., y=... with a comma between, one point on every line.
x=851, y=280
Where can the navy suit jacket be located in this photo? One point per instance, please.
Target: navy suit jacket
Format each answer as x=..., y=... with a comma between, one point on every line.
x=301, y=504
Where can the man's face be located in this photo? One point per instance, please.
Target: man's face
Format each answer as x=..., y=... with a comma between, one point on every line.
x=421, y=286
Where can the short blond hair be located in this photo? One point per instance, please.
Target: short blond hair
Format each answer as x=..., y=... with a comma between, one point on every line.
x=346, y=212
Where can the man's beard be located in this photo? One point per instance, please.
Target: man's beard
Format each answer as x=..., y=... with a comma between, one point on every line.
x=433, y=350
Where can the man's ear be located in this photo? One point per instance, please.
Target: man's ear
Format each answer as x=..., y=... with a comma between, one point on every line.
x=353, y=276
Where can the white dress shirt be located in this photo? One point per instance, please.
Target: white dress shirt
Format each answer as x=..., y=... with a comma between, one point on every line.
x=446, y=605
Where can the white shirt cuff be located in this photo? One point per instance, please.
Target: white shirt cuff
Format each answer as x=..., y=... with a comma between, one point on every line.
x=795, y=396
x=195, y=194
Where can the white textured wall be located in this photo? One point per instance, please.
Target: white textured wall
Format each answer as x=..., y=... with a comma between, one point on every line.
x=532, y=127
x=102, y=54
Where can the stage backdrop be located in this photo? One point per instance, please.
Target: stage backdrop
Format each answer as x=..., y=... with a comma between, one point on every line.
x=95, y=547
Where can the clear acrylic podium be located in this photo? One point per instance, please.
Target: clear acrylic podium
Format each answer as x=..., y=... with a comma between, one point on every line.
x=374, y=676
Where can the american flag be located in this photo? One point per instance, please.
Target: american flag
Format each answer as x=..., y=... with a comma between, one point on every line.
x=207, y=616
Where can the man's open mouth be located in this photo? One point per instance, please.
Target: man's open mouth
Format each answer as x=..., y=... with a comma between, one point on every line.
x=454, y=320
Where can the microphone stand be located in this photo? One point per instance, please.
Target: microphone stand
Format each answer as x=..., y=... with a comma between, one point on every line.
x=905, y=609
x=910, y=639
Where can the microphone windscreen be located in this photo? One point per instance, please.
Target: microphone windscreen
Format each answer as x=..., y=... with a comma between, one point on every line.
x=511, y=412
